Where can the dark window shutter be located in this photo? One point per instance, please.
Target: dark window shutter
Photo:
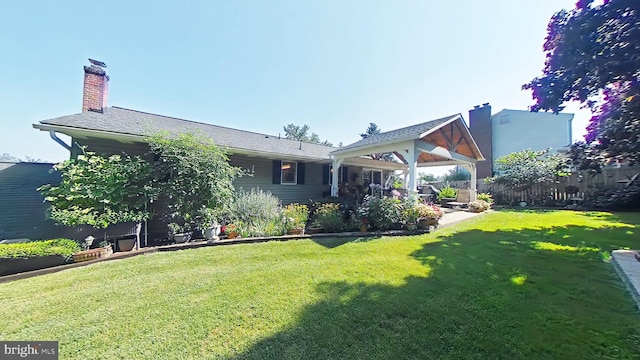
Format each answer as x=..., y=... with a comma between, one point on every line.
x=300, y=173
x=345, y=174
x=277, y=168
x=326, y=171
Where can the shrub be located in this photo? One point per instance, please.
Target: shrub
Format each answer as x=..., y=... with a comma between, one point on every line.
x=429, y=212
x=624, y=198
x=384, y=213
x=62, y=247
x=330, y=217
x=295, y=216
x=485, y=197
x=410, y=212
x=447, y=192
x=479, y=206
x=195, y=176
x=100, y=191
x=258, y=211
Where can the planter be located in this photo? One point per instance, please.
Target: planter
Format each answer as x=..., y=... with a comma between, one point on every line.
x=18, y=265
x=444, y=202
x=92, y=254
x=232, y=235
x=424, y=224
x=315, y=230
x=126, y=244
x=212, y=233
x=295, y=231
x=364, y=228
x=181, y=238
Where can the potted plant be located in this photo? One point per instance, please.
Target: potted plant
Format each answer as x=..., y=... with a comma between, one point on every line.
x=429, y=215
x=447, y=194
x=231, y=230
x=179, y=233
x=104, y=249
x=295, y=217
x=411, y=214
x=209, y=223
x=363, y=214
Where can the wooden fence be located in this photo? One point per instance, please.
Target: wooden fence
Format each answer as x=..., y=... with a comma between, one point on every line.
x=555, y=193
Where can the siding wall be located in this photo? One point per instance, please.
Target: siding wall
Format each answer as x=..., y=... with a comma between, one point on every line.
x=515, y=130
x=263, y=174
x=22, y=207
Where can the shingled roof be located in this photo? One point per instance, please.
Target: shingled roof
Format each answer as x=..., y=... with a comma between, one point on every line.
x=127, y=123
x=407, y=133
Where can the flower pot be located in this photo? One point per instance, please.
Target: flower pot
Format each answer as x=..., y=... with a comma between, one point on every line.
x=181, y=238
x=424, y=224
x=92, y=254
x=126, y=244
x=232, y=235
x=295, y=231
x=364, y=228
x=212, y=233
x=315, y=230
x=18, y=265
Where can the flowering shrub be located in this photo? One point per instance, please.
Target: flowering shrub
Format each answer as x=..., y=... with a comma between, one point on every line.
x=410, y=212
x=479, y=206
x=384, y=213
x=429, y=212
x=295, y=216
x=229, y=228
x=329, y=217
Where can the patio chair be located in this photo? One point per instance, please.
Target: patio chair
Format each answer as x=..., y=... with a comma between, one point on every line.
x=463, y=198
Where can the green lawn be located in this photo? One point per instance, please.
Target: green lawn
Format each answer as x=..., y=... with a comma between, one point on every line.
x=507, y=285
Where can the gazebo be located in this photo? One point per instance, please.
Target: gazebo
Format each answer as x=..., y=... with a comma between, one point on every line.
x=445, y=141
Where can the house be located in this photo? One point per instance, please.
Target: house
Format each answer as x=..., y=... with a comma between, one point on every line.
x=509, y=131
x=293, y=171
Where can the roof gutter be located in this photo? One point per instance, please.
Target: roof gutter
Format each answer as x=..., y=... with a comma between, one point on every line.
x=55, y=138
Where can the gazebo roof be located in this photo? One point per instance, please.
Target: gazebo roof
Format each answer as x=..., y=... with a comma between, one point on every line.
x=440, y=137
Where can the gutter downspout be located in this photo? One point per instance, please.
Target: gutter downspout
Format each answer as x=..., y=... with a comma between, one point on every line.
x=52, y=134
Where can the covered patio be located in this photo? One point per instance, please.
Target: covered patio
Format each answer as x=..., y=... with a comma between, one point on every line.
x=440, y=142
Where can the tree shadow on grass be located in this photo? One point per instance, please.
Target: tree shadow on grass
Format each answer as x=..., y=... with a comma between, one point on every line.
x=532, y=293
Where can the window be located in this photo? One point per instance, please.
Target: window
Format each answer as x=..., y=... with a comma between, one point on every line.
x=289, y=173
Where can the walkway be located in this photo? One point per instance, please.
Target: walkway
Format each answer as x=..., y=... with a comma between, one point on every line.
x=628, y=268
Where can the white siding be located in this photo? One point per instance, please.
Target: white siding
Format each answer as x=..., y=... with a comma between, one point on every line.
x=515, y=130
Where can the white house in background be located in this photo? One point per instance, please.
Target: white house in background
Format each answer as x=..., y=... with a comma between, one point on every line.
x=509, y=131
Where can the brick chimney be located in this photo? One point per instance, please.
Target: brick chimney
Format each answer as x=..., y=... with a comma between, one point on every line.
x=96, y=87
x=480, y=127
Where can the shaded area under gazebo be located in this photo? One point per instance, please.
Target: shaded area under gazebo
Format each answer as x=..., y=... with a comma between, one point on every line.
x=440, y=142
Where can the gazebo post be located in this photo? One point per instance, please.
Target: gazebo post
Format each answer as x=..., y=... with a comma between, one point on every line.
x=334, y=177
x=412, y=162
x=474, y=180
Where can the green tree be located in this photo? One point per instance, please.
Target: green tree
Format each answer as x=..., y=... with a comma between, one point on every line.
x=428, y=177
x=522, y=169
x=196, y=177
x=372, y=130
x=100, y=191
x=592, y=57
x=457, y=174
x=301, y=133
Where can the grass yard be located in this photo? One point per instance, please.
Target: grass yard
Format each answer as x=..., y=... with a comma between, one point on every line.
x=507, y=285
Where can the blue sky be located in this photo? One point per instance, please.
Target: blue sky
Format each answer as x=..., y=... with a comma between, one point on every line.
x=259, y=65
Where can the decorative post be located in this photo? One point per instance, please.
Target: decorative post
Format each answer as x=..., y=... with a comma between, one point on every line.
x=412, y=162
x=334, y=176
